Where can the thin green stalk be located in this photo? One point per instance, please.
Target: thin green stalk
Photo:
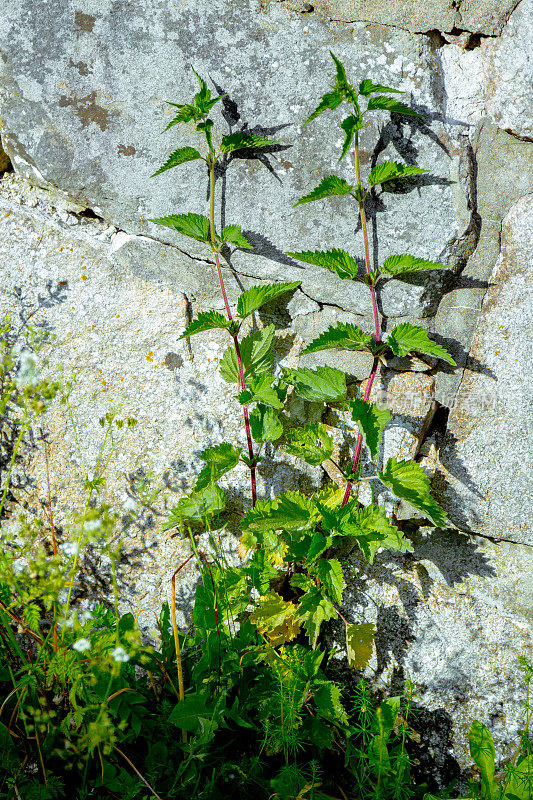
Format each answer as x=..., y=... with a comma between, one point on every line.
x=212, y=163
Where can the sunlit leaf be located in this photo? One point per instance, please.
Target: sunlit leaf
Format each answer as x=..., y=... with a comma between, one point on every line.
x=328, y=187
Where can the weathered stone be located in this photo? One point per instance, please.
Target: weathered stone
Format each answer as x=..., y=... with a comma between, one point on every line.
x=81, y=106
x=453, y=616
x=4, y=159
x=485, y=482
x=508, y=67
x=504, y=175
x=486, y=17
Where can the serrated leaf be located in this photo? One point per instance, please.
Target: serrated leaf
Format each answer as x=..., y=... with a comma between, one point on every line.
x=205, y=321
x=367, y=87
x=314, y=609
x=483, y=752
x=178, y=157
x=371, y=420
x=342, y=80
x=407, y=338
x=320, y=385
x=389, y=104
x=275, y=618
x=311, y=442
x=186, y=113
x=194, y=225
x=257, y=296
x=289, y=511
x=370, y=526
x=330, y=574
x=189, y=713
x=408, y=481
x=256, y=354
x=329, y=101
x=359, y=644
x=328, y=703
x=345, y=336
x=265, y=424
x=338, y=261
x=405, y=264
x=328, y=187
x=197, y=507
x=301, y=581
x=391, y=171
x=219, y=460
x=260, y=390
x=243, y=140
x=233, y=235
x=349, y=125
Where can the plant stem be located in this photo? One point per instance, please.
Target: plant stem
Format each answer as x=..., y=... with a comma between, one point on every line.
x=377, y=330
x=212, y=163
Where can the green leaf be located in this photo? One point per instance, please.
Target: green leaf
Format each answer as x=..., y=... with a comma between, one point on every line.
x=219, y=459
x=520, y=786
x=194, y=225
x=338, y=261
x=371, y=420
x=197, y=506
x=407, y=338
x=367, y=87
x=391, y=171
x=342, y=80
x=314, y=609
x=185, y=114
x=408, y=481
x=256, y=354
x=260, y=391
x=370, y=526
x=275, y=618
x=311, y=443
x=257, y=296
x=289, y=511
x=405, y=264
x=359, y=643
x=350, y=125
x=330, y=574
x=189, y=713
x=328, y=703
x=483, y=752
x=232, y=234
x=320, y=385
x=388, y=104
x=244, y=140
x=205, y=321
x=178, y=157
x=328, y=187
x=265, y=424
x=345, y=336
x=329, y=101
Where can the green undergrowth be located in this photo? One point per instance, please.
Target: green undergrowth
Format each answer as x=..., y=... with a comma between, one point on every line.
x=242, y=701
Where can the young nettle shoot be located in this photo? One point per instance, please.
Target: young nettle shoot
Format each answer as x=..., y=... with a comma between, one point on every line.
x=405, y=339
x=249, y=362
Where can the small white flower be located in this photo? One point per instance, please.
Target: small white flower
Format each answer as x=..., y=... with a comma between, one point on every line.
x=119, y=654
x=27, y=374
x=130, y=505
x=81, y=645
x=70, y=548
x=84, y=616
x=93, y=525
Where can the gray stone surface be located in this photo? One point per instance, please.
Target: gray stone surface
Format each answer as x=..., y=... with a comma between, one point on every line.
x=485, y=479
x=456, y=626
x=485, y=16
x=82, y=104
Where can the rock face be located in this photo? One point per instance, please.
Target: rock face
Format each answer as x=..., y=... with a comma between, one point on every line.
x=82, y=98
x=487, y=483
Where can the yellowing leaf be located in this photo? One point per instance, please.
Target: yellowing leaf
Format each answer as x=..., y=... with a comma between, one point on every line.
x=359, y=643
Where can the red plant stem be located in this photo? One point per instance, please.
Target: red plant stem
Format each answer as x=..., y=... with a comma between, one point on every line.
x=357, y=454
x=377, y=330
x=251, y=455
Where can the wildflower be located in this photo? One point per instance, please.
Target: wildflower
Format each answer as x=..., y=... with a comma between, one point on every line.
x=93, y=525
x=81, y=645
x=119, y=654
x=70, y=548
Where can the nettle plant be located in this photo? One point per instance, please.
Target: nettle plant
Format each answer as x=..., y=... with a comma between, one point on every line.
x=288, y=542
